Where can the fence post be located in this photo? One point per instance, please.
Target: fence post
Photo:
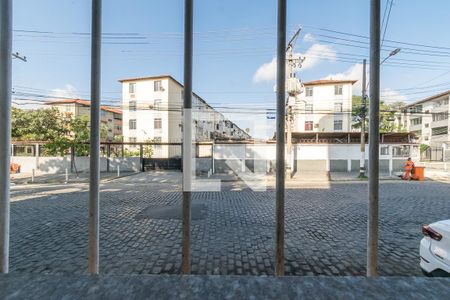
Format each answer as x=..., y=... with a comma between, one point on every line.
x=141, y=156
x=72, y=158
x=108, y=155
x=212, y=156
x=37, y=154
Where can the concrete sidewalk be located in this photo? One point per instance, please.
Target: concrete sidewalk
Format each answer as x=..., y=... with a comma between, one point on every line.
x=353, y=176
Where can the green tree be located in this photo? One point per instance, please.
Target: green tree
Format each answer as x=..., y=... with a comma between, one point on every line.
x=77, y=138
x=60, y=130
x=38, y=124
x=387, y=114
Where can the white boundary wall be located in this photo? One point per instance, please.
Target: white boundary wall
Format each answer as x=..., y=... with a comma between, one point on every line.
x=54, y=165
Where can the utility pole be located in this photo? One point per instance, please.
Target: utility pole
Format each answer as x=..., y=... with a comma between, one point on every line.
x=362, y=163
x=294, y=89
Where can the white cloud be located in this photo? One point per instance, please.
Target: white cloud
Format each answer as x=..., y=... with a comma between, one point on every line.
x=266, y=72
x=309, y=38
x=316, y=53
x=390, y=96
x=352, y=73
x=69, y=91
x=313, y=56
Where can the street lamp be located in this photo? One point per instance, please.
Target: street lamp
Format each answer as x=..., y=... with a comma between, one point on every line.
x=393, y=52
x=363, y=113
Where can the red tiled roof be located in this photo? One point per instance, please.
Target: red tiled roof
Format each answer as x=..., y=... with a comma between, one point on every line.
x=85, y=103
x=328, y=81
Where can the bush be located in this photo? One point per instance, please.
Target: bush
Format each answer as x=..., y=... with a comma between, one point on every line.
x=423, y=148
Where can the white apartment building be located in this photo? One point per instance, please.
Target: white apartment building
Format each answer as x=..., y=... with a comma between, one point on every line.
x=152, y=110
x=428, y=119
x=109, y=116
x=324, y=106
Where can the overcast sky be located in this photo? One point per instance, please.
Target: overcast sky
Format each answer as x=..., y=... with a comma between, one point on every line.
x=235, y=46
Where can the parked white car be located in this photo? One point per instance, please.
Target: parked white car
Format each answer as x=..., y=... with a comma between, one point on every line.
x=435, y=249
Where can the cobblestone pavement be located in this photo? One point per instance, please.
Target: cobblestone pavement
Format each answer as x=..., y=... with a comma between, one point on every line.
x=232, y=231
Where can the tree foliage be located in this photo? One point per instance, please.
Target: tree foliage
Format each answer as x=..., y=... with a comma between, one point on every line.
x=387, y=115
x=61, y=131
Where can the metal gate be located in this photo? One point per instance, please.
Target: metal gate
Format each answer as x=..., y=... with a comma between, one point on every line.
x=151, y=164
x=432, y=154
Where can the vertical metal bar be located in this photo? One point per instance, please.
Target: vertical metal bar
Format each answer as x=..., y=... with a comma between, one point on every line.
x=94, y=191
x=374, y=135
x=5, y=127
x=187, y=135
x=281, y=109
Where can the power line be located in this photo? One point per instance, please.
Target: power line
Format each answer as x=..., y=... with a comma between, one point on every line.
x=387, y=22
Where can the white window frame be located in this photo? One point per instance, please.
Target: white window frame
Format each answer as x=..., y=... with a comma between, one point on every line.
x=132, y=123
x=157, y=86
x=132, y=87
x=157, y=121
x=338, y=121
x=132, y=105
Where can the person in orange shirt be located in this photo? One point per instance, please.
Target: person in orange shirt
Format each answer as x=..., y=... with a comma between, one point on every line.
x=409, y=170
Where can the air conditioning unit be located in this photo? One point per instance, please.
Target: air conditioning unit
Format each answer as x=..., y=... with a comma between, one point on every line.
x=316, y=125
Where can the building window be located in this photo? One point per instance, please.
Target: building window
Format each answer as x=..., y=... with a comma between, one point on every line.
x=132, y=105
x=416, y=109
x=309, y=91
x=385, y=150
x=132, y=123
x=157, y=123
x=337, y=125
x=440, y=116
x=132, y=140
x=338, y=89
x=401, y=151
x=416, y=121
x=132, y=87
x=439, y=130
x=309, y=108
x=157, y=86
x=427, y=125
x=338, y=107
x=309, y=125
x=157, y=104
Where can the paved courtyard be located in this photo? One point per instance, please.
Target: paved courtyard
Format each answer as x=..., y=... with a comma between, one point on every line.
x=232, y=230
